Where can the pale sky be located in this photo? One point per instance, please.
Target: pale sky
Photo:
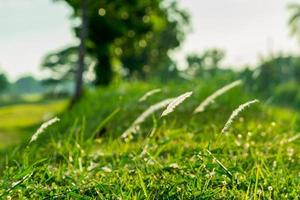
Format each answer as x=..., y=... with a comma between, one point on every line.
x=29, y=29
x=244, y=28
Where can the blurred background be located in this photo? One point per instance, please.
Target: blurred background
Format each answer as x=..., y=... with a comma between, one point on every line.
x=52, y=51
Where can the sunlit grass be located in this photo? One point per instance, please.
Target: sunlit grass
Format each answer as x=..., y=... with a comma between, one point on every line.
x=16, y=119
x=21, y=116
x=186, y=156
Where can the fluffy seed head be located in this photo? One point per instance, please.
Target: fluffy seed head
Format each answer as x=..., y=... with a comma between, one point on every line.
x=148, y=94
x=177, y=101
x=215, y=95
x=236, y=112
x=144, y=115
x=43, y=128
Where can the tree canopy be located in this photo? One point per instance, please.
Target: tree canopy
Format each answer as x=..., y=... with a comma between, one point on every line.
x=132, y=38
x=3, y=82
x=207, y=62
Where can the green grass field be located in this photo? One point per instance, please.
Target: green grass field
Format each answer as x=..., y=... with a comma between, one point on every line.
x=180, y=156
x=17, y=120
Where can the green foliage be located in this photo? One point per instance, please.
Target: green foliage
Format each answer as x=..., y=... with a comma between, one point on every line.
x=3, y=82
x=27, y=85
x=149, y=53
x=206, y=64
x=61, y=64
x=130, y=38
x=288, y=94
x=271, y=73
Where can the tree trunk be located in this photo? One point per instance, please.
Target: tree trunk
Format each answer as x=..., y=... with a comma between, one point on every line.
x=81, y=53
x=103, y=70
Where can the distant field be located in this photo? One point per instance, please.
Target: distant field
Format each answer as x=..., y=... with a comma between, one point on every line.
x=17, y=120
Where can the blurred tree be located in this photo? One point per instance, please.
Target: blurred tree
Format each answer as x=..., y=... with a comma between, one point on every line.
x=195, y=64
x=213, y=59
x=195, y=60
x=26, y=85
x=61, y=65
x=81, y=50
x=209, y=61
x=148, y=52
x=275, y=71
x=136, y=34
x=294, y=20
x=247, y=76
x=166, y=73
x=3, y=82
x=67, y=57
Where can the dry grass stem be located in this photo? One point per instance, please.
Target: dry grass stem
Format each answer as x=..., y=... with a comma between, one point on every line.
x=210, y=99
x=148, y=94
x=43, y=128
x=177, y=101
x=146, y=114
x=236, y=112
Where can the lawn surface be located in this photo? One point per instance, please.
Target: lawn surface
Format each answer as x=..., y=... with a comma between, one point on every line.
x=179, y=156
x=16, y=121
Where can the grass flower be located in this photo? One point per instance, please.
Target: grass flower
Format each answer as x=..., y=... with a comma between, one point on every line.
x=42, y=128
x=236, y=112
x=144, y=115
x=148, y=94
x=215, y=95
x=106, y=169
x=294, y=138
x=175, y=102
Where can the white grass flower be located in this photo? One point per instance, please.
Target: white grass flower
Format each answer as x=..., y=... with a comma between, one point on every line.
x=144, y=115
x=294, y=138
x=92, y=166
x=224, y=183
x=150, y=162
x=270, y=188
x=148, y=94
x=236, y=112
x=43, y=128
x=215, y=95
x=174, y=166
x=177, y=101
x=106, y=169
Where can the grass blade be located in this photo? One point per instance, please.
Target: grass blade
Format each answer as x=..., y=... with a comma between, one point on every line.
x=219, y=163
x=143, y=184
